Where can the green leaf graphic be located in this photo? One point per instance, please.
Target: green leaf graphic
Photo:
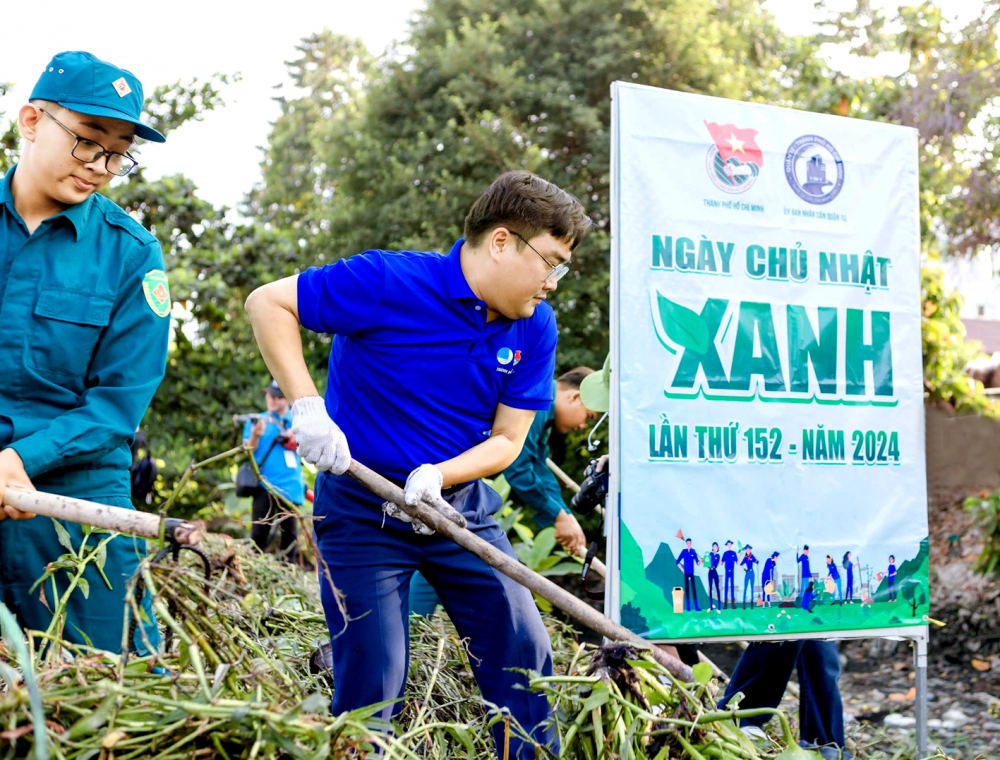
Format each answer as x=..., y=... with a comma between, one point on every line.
x=683, y=326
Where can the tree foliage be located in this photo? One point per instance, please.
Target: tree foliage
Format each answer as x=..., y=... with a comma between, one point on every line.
x=390, y=152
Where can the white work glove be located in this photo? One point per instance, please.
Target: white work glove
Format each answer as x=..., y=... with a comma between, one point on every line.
x=320, y=441
x=424, y=485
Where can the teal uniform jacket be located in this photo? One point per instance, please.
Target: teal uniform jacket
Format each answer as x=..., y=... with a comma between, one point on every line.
x=530, y=477
x=84, y=327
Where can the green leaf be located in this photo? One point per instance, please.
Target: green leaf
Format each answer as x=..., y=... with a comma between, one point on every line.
x=563, y=568
x=702, y=672
x=102, y=556
x=84, y=585
x=15, y=642
x=684, y=327
x=545, y=542
x=598, y=697
x=63, y=535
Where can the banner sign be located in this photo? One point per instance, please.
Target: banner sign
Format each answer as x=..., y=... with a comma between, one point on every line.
x=767, y=376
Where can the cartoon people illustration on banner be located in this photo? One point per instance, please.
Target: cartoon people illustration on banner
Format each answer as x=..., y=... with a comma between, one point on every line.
x=729, y=561
x=687, y=561
x=713, y=576
x=747, y=563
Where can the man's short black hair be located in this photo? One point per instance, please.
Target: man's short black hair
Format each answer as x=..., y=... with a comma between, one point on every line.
x=574, y=377
x=528, y=205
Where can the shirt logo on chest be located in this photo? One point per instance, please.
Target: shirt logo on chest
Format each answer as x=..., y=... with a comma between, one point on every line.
x=505, y=356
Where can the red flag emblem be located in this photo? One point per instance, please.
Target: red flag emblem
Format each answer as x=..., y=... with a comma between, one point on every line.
x=733, y=142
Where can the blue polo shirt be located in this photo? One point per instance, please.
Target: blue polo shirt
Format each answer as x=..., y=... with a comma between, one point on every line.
x=416, y=372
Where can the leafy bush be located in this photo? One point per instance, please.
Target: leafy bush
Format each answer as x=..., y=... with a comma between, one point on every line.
x=986, y=511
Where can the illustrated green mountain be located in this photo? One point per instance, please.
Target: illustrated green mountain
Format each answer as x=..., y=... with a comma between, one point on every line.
x=642, y=597
x=915, y=568
x=663, y=571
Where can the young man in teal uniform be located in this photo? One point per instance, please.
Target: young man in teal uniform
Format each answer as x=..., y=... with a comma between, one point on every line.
x=274, y=449
x=438, y=366
x=531, y=480
x=84, y=325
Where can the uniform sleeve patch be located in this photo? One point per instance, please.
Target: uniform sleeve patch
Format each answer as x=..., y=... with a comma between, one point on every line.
x=157, y=291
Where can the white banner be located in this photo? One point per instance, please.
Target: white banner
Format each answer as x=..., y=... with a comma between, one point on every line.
x=766, y=370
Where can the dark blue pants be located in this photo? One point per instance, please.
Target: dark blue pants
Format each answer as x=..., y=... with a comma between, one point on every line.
x=730, y=589
x=713, y=578
x=692, y=595
x=762, y=675
x=371, y=559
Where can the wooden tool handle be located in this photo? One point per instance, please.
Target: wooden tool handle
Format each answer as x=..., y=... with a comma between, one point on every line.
x=118, y=519
x=515, y=570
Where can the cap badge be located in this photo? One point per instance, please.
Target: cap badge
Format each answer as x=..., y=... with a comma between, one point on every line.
x=121, y=87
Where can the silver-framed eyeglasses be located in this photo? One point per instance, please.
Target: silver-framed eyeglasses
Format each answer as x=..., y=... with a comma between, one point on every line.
x=558, y=271
x=87, y=151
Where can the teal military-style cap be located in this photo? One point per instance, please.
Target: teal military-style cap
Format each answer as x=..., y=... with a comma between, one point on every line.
x=84, y=83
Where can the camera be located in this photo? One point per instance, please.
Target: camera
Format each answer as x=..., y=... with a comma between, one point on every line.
x=593, y=490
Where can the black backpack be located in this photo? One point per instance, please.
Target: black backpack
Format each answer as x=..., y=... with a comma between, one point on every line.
x=143, y=471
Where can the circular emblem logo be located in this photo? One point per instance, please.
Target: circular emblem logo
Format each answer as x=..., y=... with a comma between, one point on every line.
x=505, y=356
x=814, y=169
x=731, y=175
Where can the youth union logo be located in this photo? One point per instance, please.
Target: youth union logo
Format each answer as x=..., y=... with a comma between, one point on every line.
x=734, y=161
x=809, y=163
x=517, y=357
x=505, y=356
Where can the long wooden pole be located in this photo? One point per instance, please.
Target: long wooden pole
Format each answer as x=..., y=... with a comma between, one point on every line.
x=595, y=564
x=118, y=519
x=515, y=570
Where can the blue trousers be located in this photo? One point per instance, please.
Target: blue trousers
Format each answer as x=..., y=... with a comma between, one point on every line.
x=730, y=589
x=713, y=578
x=762, y=675
x=748, y=583
x=692, y=595
x=371, y=559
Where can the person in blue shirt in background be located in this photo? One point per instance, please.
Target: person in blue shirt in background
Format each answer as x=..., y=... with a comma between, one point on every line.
x=531, y=480
x=768, y=575
x=438, y=366
x=687, y=559
x=831, y=569
x=85, y=310
x=713, y=575
x=803, y=559
x=849, y=566
x=890, y=574
x=729, y=560
x=749, y=577
x=274, y=449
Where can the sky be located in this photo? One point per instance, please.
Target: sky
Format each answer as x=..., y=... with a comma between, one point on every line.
x=186, y=39
x=190, y=39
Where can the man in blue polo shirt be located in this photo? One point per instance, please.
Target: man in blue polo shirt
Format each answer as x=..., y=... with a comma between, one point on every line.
x=275, y=451
x=84, y=325
x=437, y=368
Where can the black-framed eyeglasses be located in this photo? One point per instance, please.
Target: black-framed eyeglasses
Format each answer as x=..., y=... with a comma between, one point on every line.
x=87, y=151
x=558, y=271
